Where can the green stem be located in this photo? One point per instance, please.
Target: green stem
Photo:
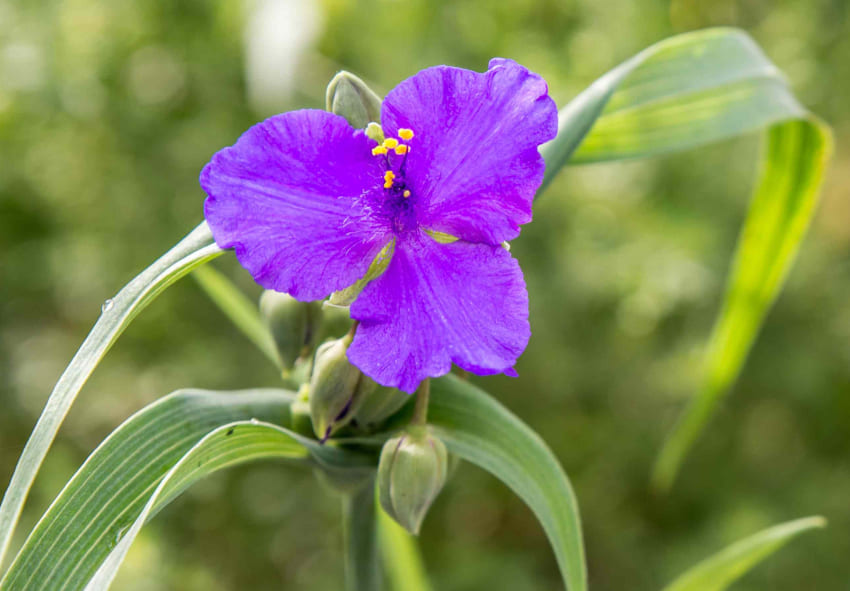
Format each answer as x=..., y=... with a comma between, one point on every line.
x=362, y=567
x=420, y=411
x=402, y=560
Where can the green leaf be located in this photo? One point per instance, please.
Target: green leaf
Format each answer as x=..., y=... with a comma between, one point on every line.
x=401, y=557
x=227, y=446
x=477, y=428
x=110, y=489
x=724, y=568
x=794, y=161
x=144, y=464
x=682, y=93
x=194, y=250
x=240, y=310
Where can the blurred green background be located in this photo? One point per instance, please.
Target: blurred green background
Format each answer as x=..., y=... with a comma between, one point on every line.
x=108, y=111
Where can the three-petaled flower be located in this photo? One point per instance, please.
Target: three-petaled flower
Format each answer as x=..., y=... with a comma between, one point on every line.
x=308, y=203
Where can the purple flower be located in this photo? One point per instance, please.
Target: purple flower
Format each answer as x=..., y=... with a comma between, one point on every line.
x=308, y=202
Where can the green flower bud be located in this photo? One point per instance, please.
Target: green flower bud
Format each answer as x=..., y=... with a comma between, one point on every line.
x=334, y=388
x=378, y=403
x=348, y=95
x=294, y=325
x=411, y=472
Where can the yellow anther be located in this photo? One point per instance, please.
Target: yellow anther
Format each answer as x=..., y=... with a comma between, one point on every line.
x=390, y=143
x=388, y=179
x=401, y=149
x=406, y=194
x=378, y=150
x=405, y=134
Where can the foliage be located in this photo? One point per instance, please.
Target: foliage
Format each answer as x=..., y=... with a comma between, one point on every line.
x=565, y=393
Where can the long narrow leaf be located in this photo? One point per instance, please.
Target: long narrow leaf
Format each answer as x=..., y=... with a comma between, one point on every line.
x=795, y=157
x=144, y=464
x=194, y=250
x=480, y=430
x=227, y=446
x=238, y=308
x=685, y=92
x=725, y=567
x=110, y=489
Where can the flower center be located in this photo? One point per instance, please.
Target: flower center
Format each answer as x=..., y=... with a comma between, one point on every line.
x=398, y=204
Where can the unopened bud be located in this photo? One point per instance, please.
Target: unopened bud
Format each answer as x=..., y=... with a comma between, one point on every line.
x=378, y=403
x=294, y=325
x=334, y=388
x=411, y=472
x=349, y=96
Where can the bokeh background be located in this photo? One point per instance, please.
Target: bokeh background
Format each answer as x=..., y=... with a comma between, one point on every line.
x=108, y=111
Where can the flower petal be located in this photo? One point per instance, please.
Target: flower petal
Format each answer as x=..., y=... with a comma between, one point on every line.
x=473, y=161
x=441, y=303
x=294, y=198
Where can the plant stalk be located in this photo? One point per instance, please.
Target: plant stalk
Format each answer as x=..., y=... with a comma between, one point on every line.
x=420, y=411
x=362, y=566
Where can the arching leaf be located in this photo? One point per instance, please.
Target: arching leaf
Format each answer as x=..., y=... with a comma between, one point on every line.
x=477, y=428
x=681, y=93
x=194, y=250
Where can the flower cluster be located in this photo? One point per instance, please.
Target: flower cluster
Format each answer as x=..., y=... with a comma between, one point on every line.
x=308, y=203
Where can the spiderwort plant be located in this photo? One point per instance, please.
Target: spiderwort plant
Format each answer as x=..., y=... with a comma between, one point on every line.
x=427, y=200
x=308, y=202
x=399, y=211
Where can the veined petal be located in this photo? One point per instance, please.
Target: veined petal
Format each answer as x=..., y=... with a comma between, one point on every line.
x=437, y=304
x=294, y=197
x=473, y=161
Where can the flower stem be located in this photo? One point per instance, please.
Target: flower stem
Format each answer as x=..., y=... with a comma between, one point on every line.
x=362, y=567
x=353, y=329
x=420, y=411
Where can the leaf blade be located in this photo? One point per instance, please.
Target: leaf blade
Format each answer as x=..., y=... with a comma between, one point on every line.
x=477, y=428
x=216, y=451
x=781, y=211
x=112, y=482
x=682, y=93
x=717, y=572
x=197, y=248
x=143, y=465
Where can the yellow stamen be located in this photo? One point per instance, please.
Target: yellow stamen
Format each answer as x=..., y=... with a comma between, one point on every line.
x=406, y=194
x=378, y=150
x=401, y=149
x=405, y=134
x=390, y=143
x=388, y=179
